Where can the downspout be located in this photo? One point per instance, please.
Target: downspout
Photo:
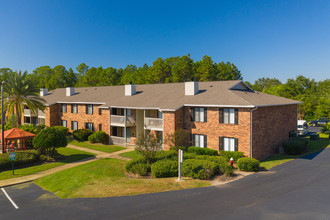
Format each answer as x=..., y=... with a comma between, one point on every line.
x=251, y=130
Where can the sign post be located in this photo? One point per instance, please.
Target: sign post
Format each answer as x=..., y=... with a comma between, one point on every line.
x=180, y=159
x=12, y=157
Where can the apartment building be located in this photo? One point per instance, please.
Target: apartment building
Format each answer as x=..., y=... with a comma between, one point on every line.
x=221, y=115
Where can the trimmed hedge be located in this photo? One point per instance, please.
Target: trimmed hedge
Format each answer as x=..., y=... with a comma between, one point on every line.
x=140, y=169
x=164, y=168
x=22, y=157
x=98, y=137
x=294, y=147
x=178, y=147
x=62, y=129
x=202, y=151
x=82, y=134
x=232, y=154
x=130, y=165
x=300, y=139
x=248, y=164
x=32, y=129
x=199, y=169
x=161, y=155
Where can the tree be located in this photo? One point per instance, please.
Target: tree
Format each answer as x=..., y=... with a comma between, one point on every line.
x=160, y=72
x=227, y=71
x=183, y=69
x=147, y=145
x=326, y=129
x=82, y=69
x=265, y=83
x=18, y=91
x=180, y=138
x=48, y=140
x=205, y=70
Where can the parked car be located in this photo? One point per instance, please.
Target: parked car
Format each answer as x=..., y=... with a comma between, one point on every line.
x=319, y=122
x=302, y=127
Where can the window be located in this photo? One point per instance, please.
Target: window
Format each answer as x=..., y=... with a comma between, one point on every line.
x=74, y=125
x=228, y=144
x=100, y=111
x=198, y=114
x=100, y=127
x=128, y=112
x=63, y=107
x=89, y=109
x=159, y=114
x=90, y=126
x=74, y=108
x=228, y=115
x=199, y=140
x=64, y=123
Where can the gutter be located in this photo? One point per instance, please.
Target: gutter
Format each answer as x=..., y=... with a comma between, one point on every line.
x=251, y=118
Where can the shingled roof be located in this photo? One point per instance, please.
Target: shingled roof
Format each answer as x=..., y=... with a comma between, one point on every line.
x=170, y=96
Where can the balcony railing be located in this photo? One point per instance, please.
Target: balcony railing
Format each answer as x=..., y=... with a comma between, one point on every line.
x=117, y=140
x=41, y=114
x=27, y=112
x=119, y=120
x=154, y=123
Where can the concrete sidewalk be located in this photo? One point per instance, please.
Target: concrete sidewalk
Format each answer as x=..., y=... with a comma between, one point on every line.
x=99, y=155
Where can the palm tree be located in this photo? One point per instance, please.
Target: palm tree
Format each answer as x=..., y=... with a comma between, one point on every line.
x=20, y=91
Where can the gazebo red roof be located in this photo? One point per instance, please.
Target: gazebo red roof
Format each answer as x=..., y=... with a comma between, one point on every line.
x=16, y=133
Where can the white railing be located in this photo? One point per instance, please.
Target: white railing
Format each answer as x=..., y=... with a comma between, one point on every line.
x=41, y=114
x=120, y=120
x=27, y=112
x=153, y=123
x=117, y=140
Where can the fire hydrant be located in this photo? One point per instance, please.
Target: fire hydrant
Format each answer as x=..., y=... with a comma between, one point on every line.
x=231, y=161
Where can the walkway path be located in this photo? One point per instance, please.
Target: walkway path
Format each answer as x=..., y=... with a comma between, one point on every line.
x=98, y=155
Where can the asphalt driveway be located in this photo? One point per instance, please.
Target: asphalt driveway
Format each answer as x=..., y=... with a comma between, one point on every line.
x=298, y=189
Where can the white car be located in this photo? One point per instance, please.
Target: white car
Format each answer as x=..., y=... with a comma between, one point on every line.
x=302, y=127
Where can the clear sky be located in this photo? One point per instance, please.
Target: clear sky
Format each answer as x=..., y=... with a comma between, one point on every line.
x=279, y=39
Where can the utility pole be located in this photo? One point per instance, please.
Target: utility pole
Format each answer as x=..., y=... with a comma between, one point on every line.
x=2, y=119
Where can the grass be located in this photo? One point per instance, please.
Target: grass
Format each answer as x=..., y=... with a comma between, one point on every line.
x=99, y=147
x=131, y=154
x=313, y=146
x=71, y=155
x=106, y=177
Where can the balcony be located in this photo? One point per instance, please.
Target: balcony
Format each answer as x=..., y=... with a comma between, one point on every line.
x=41, y=114
x=117, y=140
x=28, y=113
x=153, y=123
x=119, y=120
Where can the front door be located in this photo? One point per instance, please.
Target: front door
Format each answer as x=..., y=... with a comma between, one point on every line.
x=128, y=135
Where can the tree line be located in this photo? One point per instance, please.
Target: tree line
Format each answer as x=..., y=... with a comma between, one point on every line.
x=314, y=95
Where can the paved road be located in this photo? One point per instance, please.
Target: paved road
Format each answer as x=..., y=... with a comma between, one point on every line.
x=298, y=189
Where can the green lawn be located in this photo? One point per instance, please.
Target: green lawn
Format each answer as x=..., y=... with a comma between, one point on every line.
x=313, y=146
x=99, y=147
x=106, y=177
x=131, y=154
x=71, y=155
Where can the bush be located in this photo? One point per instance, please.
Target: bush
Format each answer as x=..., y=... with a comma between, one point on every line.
x=62, y=129
x=222, y=165
x=202, y=151
x=232, y=154
x=129, y=167
x=98, y=137
x=178, y=147
x=248, y=164
x=294, y=147
x=199, y=169
x=82, y=134
x=49, y=139
x=300, y=139
x=22, y=157
x=164, y=168
x=140, y=169
x=161, y=155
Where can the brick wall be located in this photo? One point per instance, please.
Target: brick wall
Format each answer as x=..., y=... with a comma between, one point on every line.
x=52, y=114
x=271, y=127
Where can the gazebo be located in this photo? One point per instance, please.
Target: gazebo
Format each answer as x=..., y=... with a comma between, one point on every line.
x=16, y=134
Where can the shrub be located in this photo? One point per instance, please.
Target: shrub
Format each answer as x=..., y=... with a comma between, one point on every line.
x=48, y=140
x=98, y=137
x=232, y=154
x=199, y=169
x=22, y=157
x=164, y=168
x=82, y=134
x=160, y=155
x=222, y=165
x=130, y=164
x=188, y=155
x=202, y=151
x=300, y=139
x=62, y=129
x=140, y=169
x=176, y=148
x=294, y=147
x=148, y=145
x=248, y=164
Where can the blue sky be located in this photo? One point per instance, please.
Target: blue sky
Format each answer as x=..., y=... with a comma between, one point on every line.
x=279, y=39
